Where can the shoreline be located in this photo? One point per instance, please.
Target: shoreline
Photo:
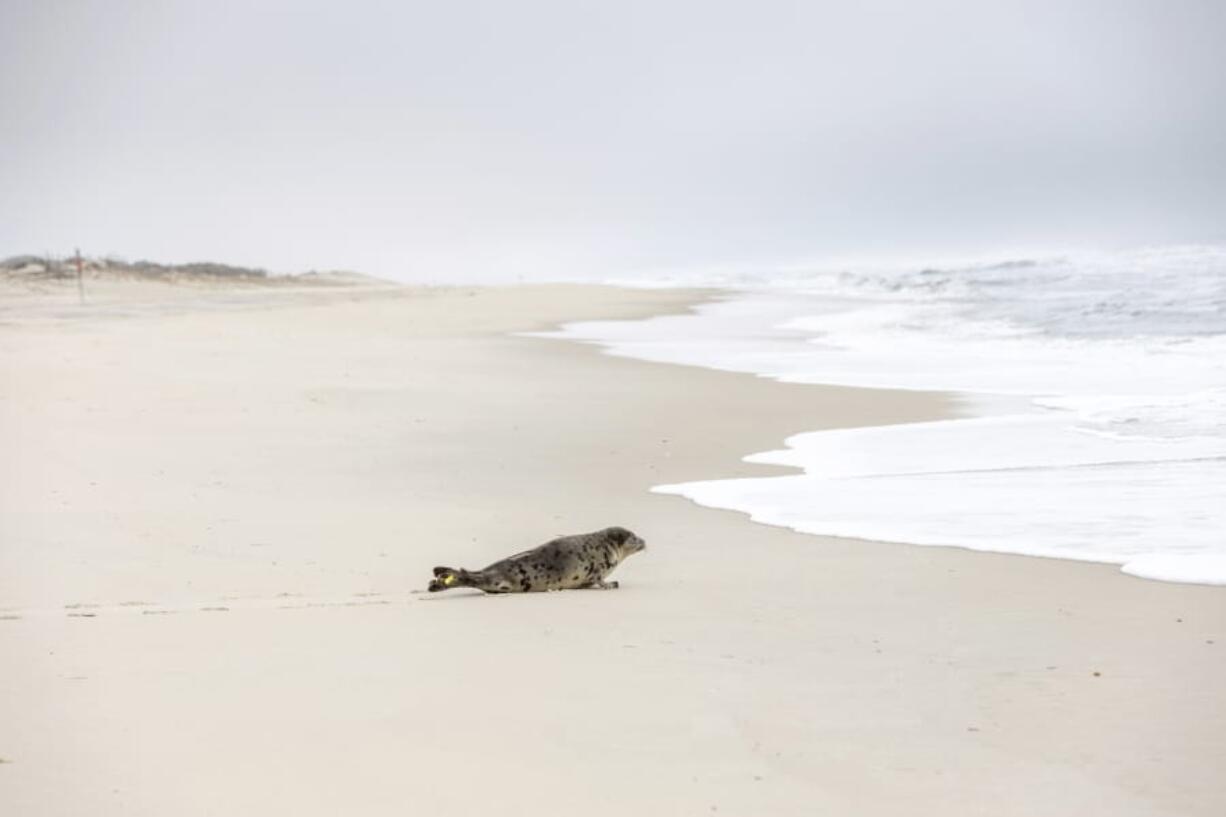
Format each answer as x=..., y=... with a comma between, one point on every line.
x=1010, y=472
x=304, y=467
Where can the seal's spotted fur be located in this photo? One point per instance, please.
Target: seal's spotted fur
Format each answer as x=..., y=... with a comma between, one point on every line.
x=566, y=563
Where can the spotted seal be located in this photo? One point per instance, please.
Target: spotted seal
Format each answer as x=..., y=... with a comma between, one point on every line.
x=566, y=563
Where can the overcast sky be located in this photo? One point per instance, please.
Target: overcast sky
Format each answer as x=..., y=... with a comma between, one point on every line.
x=503, y=139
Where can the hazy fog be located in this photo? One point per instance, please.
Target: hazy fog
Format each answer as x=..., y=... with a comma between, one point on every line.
x=532, y=139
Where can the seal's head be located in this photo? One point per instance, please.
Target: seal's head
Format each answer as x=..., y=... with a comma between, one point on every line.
x=626, y=541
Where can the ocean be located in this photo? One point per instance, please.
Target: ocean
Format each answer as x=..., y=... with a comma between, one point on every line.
x=1092, y=390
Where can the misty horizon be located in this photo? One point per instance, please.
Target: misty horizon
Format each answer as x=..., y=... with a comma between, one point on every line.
x=485, y=141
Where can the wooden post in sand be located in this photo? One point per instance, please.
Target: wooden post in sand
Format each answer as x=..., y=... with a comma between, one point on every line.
x=80, y=278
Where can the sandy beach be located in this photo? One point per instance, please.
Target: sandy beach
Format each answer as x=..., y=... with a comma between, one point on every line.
x=219, y=510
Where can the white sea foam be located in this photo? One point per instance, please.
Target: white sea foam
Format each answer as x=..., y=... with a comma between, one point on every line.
x=1111, y=446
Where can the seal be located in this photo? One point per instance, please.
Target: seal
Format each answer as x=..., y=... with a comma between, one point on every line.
x=578, y=562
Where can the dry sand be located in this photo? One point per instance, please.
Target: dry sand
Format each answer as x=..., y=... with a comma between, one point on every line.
x=213, y=519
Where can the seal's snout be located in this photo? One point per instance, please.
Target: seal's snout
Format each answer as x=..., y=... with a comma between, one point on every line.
x=627, y=541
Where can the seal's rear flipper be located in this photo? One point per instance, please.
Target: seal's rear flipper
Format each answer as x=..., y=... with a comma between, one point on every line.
x=446, y=577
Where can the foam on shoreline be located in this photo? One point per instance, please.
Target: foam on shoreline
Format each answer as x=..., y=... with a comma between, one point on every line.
x=1096, y=395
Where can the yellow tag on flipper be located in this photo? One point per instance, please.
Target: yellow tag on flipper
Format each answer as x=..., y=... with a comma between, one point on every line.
x=449, y=578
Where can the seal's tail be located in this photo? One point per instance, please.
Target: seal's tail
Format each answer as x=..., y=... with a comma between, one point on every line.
x=447, y=577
